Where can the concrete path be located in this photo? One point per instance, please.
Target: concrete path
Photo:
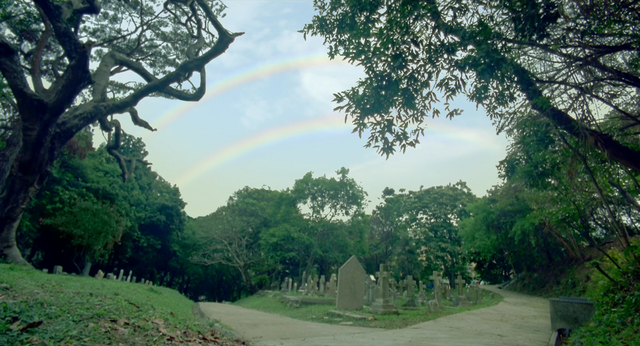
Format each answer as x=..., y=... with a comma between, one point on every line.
x=517, y=320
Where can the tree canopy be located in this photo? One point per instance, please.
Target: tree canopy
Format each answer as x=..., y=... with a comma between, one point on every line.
x=68, y=64
x=573, y=62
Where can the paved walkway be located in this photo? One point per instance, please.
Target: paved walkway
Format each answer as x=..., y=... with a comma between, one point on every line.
x=517, y=320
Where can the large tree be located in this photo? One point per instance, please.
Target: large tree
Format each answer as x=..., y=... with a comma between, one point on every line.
x=574, y=62
x=231, y=235
x=64, y=66
x=333, y=208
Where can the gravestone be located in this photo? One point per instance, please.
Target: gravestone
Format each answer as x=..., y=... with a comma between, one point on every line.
x=422, y=295
x=129, y=276
x=110, y=276
x=295, y=287
x=392, y=290
x=57, y=270
x=322, y=285
x=469, y=294
x=376, y=287
x=45, y=270
x=437, y=293
x=477, y=294
x=411, y=292
x=283, y=286
x=133, y=279
x=383, y=305
x=331, y=286
x=99, y=275
x=303, y=282
x=289, y=282
x=368, y=290
x=308, y=288
x=434, y=306
x=459, y=285
x=461, y=300
x=351, y=278
x=121, y=275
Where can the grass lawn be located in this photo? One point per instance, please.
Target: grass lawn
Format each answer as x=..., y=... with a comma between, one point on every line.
x=45, y=309
x=272, y=302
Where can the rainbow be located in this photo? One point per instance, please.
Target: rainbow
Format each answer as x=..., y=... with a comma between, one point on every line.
x=247, y=75
x=265, y=138
x=436, y=130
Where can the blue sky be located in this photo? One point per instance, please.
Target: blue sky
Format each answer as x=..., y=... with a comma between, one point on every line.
x=271, y=120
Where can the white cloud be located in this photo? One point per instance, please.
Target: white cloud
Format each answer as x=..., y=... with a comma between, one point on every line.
x=322, y=82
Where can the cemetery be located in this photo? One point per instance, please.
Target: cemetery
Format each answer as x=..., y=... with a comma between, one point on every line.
x=522, y=172
x=354, y=297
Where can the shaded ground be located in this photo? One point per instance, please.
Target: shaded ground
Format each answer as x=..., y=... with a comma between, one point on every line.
x=518, y=320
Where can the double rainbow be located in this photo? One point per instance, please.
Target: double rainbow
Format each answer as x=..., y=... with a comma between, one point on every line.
x=441, y=130
x=268, y=137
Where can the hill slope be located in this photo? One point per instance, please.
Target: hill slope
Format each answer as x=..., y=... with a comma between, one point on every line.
x=44, y=309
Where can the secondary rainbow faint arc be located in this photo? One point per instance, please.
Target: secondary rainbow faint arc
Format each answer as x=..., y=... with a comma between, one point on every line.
x=262, y=139
x=301, y=128
x=248, y=75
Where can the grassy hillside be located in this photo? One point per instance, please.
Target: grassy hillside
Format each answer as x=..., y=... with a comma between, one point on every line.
x=45, y=309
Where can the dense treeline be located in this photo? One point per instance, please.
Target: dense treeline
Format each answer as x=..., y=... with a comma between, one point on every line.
x=557, y=205
x=86, y=218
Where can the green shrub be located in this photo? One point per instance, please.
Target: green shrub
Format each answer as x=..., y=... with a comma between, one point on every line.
x=617, y=318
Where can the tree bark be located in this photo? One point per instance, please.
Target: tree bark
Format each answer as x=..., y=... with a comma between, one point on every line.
x=87, y=266
x=17, y=193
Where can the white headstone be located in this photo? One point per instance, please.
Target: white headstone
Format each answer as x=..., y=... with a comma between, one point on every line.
x=331, y=286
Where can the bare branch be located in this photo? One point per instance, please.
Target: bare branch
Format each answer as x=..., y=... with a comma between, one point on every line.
x=36, y=77
x=13, y=73
x=114, y=147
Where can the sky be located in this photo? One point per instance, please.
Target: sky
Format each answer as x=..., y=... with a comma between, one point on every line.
x=267, y=119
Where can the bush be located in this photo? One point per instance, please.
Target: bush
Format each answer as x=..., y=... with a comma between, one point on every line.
x=617, y=318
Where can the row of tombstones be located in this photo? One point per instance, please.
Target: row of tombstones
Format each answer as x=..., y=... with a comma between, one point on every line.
x=357, y=289
x=111, y=276
x=311, y=286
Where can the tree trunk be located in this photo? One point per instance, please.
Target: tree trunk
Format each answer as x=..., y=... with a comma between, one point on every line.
x=246, y=277
x=87, y=266
x=16, y=196
x=28, y=170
